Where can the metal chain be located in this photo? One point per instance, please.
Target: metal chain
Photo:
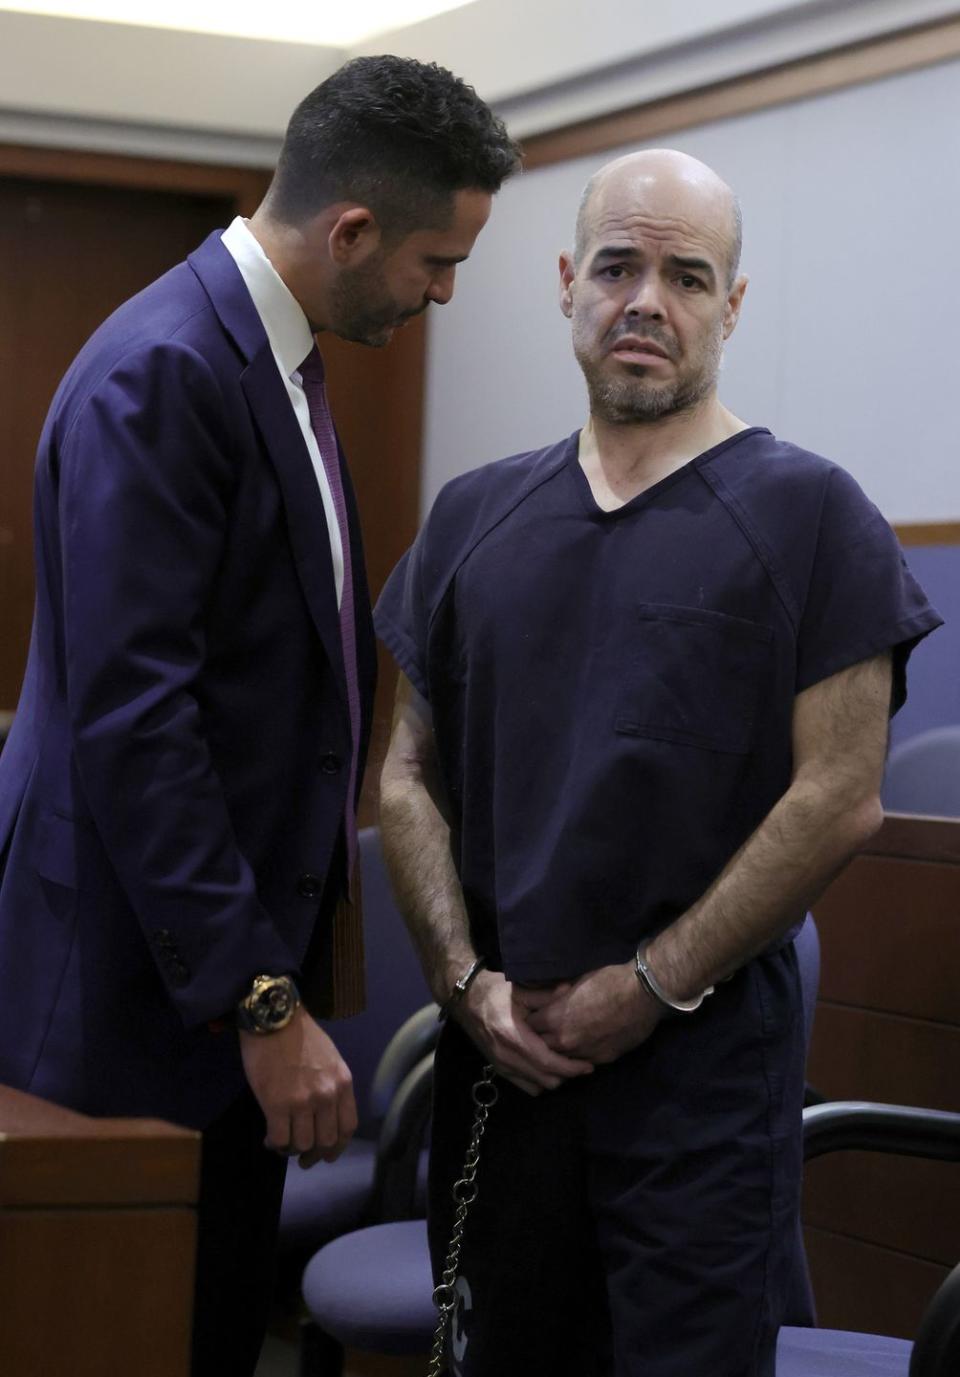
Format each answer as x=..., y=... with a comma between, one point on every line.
x=485, y=1095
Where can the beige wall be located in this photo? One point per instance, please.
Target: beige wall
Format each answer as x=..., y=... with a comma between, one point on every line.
x=544, y=63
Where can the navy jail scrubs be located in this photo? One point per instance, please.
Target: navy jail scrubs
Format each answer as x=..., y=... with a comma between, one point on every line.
x=612, y=696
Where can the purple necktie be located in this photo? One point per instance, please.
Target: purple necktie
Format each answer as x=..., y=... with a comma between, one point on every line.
x=311, y=371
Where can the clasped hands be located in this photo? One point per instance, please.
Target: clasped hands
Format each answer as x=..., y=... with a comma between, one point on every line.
x=537, y=1038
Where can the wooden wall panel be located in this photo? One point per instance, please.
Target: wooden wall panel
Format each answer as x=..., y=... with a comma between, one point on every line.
x=903, y=1203
x=862, y=1055
x=69, y=255
x=912, y=837
x=874, y=1290
x=883, y=1231
x=881, y=923
x=376, y=396
x=242, y=186
x=928, y=532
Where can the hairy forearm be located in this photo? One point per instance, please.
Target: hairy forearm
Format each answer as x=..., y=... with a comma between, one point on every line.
x=416, y=843
x=416, y=839
x=806, y=839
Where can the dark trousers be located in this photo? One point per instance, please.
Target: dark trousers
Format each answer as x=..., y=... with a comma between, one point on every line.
x=640, y=1221
x=241, y=1185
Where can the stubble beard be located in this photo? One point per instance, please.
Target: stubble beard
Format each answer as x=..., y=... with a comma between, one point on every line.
x=635, y=398
x=363, y=312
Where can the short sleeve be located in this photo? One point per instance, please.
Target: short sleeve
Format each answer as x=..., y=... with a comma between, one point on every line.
x=861, y=598
x=401, y=616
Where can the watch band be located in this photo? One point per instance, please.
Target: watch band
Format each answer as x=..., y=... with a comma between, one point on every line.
x=653, y=987
x=461, y=987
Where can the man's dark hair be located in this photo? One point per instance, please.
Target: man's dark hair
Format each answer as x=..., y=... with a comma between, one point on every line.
x=394, y=134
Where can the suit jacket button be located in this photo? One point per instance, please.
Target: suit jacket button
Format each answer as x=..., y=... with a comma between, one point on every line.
x=330, y=763
x=309, y=887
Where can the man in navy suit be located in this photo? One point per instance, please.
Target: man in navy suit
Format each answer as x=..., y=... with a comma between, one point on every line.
x=178, y=792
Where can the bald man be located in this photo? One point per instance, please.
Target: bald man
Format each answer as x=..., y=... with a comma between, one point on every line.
x=642, y=720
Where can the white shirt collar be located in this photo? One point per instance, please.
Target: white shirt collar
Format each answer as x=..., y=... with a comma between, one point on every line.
x=288, y=329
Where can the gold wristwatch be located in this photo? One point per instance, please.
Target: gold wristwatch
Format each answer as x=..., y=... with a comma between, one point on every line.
x=270, y=1005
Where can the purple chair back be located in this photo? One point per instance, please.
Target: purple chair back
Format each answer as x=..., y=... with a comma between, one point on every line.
x=800, y=1302
x=923, y=775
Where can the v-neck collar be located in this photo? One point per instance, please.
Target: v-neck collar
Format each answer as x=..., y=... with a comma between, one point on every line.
x=642, y=499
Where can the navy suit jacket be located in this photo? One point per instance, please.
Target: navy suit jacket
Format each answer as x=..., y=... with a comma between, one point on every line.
x=173, y=787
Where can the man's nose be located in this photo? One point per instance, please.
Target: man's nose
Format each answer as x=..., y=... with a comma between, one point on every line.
x=646, y=299
x=441, y=288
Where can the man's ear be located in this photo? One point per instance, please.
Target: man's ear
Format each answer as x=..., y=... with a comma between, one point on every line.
x=354, y=236
x=567, y=274
x=731, y=311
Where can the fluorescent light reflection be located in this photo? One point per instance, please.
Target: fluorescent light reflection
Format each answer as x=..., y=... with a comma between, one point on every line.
x=331, y=25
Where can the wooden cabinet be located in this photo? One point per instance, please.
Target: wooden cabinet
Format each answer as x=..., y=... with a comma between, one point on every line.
x=97, y=1240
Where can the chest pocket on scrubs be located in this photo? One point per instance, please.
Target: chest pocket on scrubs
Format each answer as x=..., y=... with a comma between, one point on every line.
x=694, y=677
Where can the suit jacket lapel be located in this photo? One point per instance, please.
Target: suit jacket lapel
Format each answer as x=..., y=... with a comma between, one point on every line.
x=283, y=441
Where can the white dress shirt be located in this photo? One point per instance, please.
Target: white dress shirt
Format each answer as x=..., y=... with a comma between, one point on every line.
x=291, y=340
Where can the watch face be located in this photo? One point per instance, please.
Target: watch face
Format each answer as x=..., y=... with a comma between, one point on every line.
x=273, y=1005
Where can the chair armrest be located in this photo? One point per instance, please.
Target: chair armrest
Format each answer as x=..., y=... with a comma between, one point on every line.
x=398, y=1147
x=844, y=1124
